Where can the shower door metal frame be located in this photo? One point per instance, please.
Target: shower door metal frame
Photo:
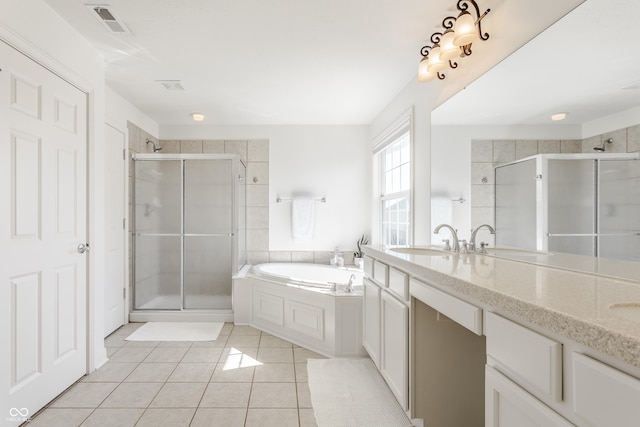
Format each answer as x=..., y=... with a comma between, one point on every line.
x=234, y=224
x=542, y=193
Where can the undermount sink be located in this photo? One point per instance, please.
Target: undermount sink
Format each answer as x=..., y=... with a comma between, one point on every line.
x=420, y=251
x=628, y=310
x=514, y=252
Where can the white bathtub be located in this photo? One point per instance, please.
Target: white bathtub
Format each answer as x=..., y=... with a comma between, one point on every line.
x=315, y=277
x=305, y=304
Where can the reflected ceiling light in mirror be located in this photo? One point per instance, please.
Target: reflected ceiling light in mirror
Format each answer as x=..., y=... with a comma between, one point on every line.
x=559, y=116
x=459, y=33
x=198, y=117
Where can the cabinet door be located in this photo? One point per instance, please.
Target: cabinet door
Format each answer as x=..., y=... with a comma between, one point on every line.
x=604, y=396
x=371, y=320
x=394, y=347
x=507, y=405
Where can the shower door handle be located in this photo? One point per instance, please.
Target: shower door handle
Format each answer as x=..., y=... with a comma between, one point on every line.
x=83, y=247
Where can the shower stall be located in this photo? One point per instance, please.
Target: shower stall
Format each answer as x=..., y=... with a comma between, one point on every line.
x=584, y=204
x=189, y=221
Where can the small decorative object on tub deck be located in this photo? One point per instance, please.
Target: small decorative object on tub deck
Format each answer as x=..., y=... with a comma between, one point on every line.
x=337, y=259
x=358, y=256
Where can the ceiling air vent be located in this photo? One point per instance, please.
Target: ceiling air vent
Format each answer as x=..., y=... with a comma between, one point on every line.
x=171, y=84
x=109, y=19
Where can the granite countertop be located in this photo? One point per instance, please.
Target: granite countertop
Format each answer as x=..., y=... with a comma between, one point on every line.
x=573, y=304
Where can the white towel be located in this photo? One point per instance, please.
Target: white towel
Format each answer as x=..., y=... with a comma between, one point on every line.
x=302, y=218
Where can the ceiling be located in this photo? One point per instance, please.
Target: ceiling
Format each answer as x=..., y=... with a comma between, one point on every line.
x=260, y=62
x=580, y=65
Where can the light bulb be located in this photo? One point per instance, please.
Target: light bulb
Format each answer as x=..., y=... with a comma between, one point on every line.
x=423, y=74
x=465, y=30
x=448, y=50
x=435, y=63
x=198, y=117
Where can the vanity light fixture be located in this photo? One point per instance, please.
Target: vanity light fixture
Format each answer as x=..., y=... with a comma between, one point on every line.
x=198, y=117
x=459, y=33
x=559, y=116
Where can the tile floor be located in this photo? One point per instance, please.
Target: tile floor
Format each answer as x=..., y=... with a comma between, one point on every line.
x=245, y=378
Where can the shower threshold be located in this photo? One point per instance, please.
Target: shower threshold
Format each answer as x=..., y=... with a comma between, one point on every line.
x=202, y=308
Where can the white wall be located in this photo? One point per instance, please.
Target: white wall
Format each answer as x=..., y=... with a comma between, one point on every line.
x=610, y=123
x=33, y=28
x=329, y=161
x=119, y=111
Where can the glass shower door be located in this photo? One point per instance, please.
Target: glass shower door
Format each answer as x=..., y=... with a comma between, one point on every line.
x=619, y=209
x=157, y=238
x=572, y=206
x=516, y=205
x=208, y=233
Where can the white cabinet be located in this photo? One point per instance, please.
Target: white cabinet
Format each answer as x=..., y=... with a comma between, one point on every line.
x=371, y=320
x=507, y=405
x=399, y=283
x=386, y=330
x=394, y=346
x=603, y=395
x=530, y=359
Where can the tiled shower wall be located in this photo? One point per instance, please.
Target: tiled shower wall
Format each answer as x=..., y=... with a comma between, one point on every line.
x=487, y=154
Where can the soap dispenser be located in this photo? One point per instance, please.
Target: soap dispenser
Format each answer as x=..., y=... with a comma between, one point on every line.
x=337, y=260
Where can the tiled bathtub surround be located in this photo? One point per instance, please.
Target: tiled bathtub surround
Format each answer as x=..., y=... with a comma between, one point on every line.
x=244, y=378
x=487, y=154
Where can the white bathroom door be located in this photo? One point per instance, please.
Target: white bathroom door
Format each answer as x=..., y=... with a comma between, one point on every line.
x=114, y=296
x=43, y=220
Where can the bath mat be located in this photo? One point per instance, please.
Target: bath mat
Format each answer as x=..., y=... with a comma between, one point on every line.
x=351, y=392
x=177, y=331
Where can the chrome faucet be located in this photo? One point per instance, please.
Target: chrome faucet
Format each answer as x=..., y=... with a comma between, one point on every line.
x=472, y=240
x=454, y=236
x=349, y=287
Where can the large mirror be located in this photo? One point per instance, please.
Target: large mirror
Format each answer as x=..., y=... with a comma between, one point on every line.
x=583, y=66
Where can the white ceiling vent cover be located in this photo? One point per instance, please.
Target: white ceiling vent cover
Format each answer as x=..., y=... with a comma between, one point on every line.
x=109, y=18
x=171, y=84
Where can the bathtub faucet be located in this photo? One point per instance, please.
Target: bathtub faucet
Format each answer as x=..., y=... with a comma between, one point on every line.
x=349, y=287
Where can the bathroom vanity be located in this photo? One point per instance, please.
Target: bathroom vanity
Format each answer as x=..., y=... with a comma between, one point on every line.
x=478, y=340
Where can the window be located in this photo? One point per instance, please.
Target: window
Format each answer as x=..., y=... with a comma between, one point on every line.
x=392, y=161
x=395, y=201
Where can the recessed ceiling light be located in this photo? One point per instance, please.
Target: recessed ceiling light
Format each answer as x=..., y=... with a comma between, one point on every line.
x=198, y=117
x=559, y=116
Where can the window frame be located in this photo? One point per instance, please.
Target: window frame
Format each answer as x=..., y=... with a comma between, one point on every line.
x=393, y=134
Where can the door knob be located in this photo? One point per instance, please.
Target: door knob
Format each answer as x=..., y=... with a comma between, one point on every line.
x=82, y=248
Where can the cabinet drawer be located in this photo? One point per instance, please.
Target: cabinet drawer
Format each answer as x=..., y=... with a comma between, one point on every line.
x=528, y=358
x=399, y=283
x=604, y=396
x=368, y=266
x=455, y=309
x=380, y=272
